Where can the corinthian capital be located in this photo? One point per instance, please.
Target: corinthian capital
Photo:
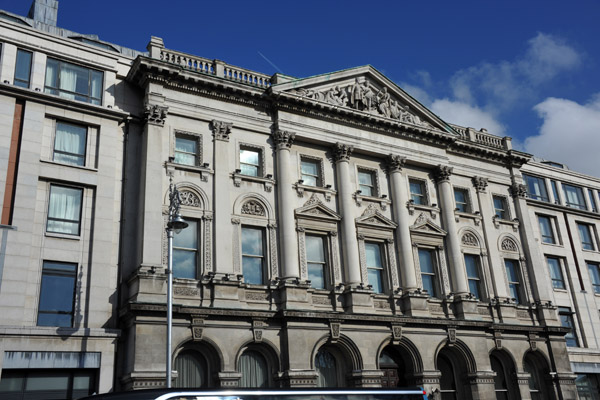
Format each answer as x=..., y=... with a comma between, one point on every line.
x=442, y=173
x=341, y=152
x=156, y=114
x=221, y=130
x=395, y=162
x=480, y=183
x=518, y=190
x=283, y=139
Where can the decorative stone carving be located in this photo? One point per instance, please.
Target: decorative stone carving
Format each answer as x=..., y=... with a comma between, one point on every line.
x=468, y=239
x=397, y=332
x=283, y=139
x=335, y=329
x=518, y=190
x=258, y=334
x=480, y=183
x=189, y=198
x=341, y=152
x=382, y=304
x=156, y=114
x=451, y=335
x=442, y=173
x=395, y=163
x=221, y=130
x=509, y=245
x=197, y=332
x=186, y=291
x=257, y=296
x=253, y=207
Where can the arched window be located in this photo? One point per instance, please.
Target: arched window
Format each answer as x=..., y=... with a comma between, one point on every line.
x=505, y=383
x=448, y=378
x=254, y=369
x=326, y=366
x=392, y=363
x=192, y=370
x=537, y=368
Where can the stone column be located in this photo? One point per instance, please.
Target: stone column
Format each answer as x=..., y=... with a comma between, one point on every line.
x=151, y=187
x=350, y=253
x=536, y=263
x=223, y=262
x=455, y=258
x=287, y=233
x=401, y=217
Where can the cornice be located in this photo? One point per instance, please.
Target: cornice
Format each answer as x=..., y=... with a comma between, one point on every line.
x=61, y=102
x=511, y=157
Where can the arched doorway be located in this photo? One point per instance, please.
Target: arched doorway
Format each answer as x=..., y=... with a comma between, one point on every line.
x=540, y=384
x=505, y=381
x=192, y=370
x=454, y=384
x=330, y=365
x=255, y=370
x=397, y=367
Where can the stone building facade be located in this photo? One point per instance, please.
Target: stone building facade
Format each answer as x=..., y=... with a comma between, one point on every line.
x=340, y=233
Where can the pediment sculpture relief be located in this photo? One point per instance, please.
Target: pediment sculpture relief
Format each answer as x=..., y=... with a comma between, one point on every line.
x=363, y=96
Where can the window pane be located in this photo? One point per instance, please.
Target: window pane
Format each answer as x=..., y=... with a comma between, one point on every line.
x=186, y=145
x=96, y=84
x=373, y=255
x=73, y=81
x=249, y=156
x=574, y=196
x=426, y=261
x=546, y=230
x=428, y=285
x=314, y=248
x=500, y=207
x=188, y=237
x=253, y=272
x=585, y=236
x=249, y=170
x=417, y=192
x=511, y=271
x=460, y=199
x=594, y=270
x=326, y=367
x=472, y=267
x=375, y=280
x=56, y=294
x=69, y=144
x=184, y=264
x=310, y=167
x=23, y=68
x=64, y=210
x=555, y=273
x=592, y=201
x=316, y=275
x=252, y=241
x=536, y=188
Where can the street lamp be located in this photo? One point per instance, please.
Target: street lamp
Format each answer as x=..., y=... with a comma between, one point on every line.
x=175, y=223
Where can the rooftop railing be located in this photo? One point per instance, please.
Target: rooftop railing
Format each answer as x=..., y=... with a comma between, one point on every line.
x=206, y=66
x=483, y=137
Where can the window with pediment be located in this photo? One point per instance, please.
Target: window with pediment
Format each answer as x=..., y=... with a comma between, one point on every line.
x=317, y=227
x=192, y=246
x=254, y=240
x=376, y=249
x=515, y=269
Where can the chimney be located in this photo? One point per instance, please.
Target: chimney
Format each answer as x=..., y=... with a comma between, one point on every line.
x=45, y=11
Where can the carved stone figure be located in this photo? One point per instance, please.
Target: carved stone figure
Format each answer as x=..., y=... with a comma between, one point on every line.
x=357, y=92
x=253, y=207
x=469, y=239
x=383, y=102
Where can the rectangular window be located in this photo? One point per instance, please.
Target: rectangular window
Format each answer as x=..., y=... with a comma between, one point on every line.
x=586, y=236
x=186, y=150
x=547, y=229
x=555, y=192
x=73, y=81
x=500, y=207
x=566, y=320
x=52, y=383
x=594, y=270
x=472, y=265
x=374, y=266
x=574, y=196
x=185, y=251
x=558, y=282
x=427, y=264
x=253, y=255
x=514, y=279
x=536, y=188
x=367, y=183
x=250, y=161
x=69, y=143
x=461, y=198
x=593, y=205
x=316, y=261
x=417, y=192
x=57, y=294
x=23, y=68
x=310, y=170
x=64, y=210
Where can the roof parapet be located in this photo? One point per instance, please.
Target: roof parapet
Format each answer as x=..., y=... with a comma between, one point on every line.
x=45, y=11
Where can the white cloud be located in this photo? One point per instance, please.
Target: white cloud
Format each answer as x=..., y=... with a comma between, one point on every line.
x=546, y=57
x=570, y=134
x=460, y=113
x=421, y=95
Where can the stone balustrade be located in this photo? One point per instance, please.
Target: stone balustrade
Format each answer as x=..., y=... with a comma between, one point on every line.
x=483, y=137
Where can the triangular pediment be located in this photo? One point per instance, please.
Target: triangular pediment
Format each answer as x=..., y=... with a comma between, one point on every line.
x=373, y=218
x=362, y=90
x=425, y=225
x=314, y=208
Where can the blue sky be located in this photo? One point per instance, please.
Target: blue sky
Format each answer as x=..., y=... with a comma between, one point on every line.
x=528, y=69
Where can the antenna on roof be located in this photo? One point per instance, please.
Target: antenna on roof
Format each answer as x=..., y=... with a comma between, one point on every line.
x=269, y=61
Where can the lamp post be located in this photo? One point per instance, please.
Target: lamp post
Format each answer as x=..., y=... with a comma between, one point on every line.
x=175, y=223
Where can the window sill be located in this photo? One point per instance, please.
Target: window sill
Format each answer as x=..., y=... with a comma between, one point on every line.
x=203, y=171
x=560, y=290
x=83, y=167
x=591, y=251
x=559, y=245
x=267, y=181
x=62, y=236
x=433, y=209
x=476, y=216
x=326, y=191
x=514, y=223
x=382, y=200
